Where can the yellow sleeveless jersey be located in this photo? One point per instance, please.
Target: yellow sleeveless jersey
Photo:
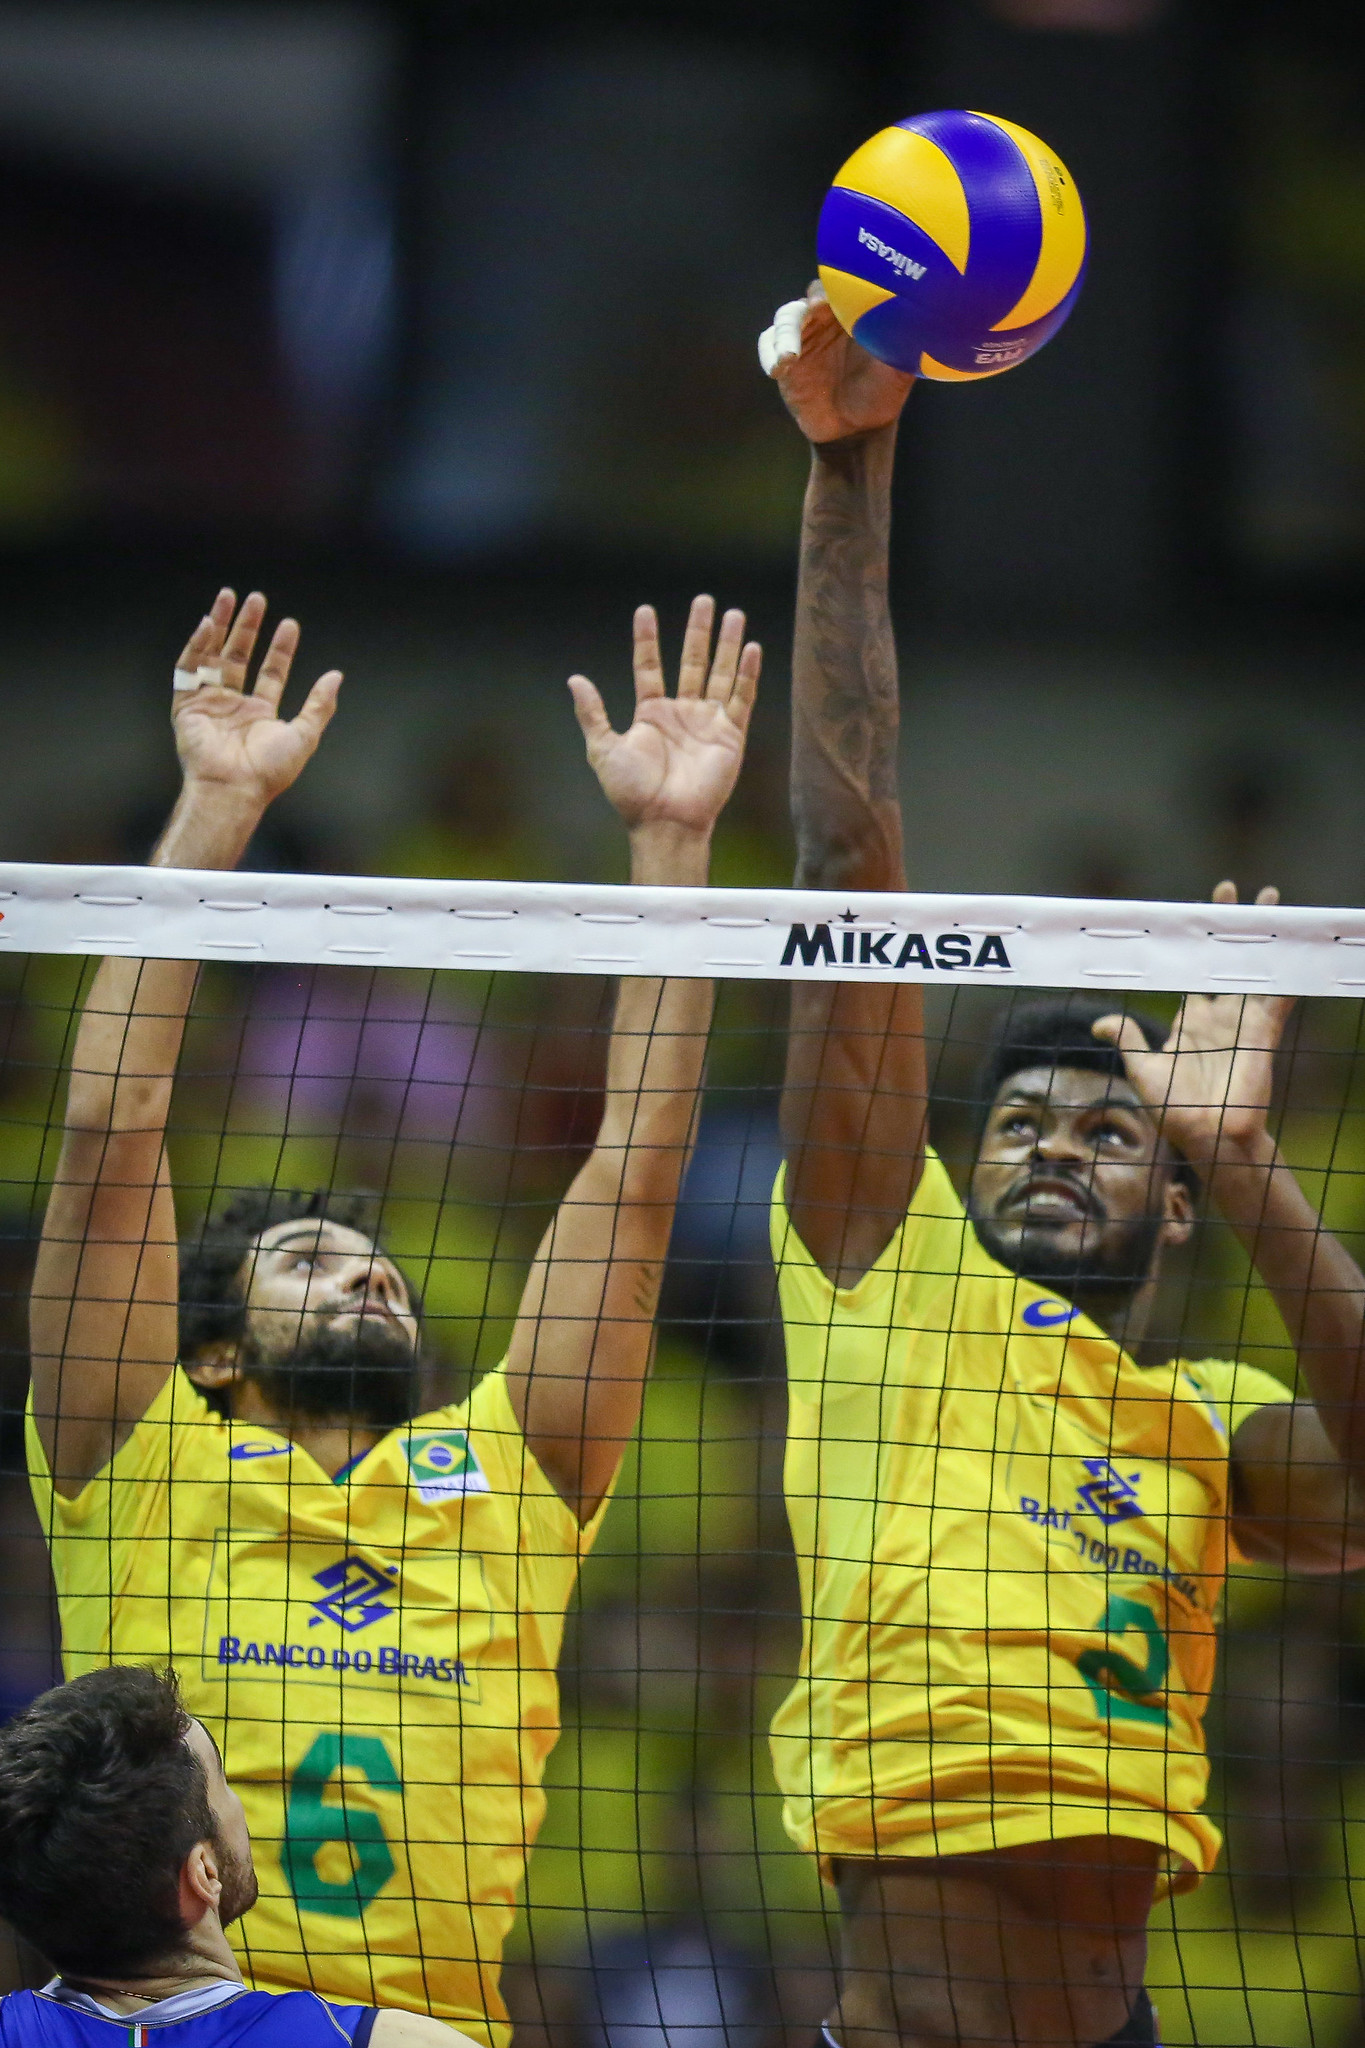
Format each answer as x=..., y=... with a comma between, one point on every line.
x=376, y=1659
x=1011, y=1542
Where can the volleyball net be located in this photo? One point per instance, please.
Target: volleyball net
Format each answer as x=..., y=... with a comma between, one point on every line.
x=440, y=1048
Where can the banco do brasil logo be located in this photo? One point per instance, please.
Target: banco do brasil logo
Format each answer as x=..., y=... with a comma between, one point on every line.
x=353, y=1593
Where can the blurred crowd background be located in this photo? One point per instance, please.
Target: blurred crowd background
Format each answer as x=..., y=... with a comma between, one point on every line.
x=437, y=321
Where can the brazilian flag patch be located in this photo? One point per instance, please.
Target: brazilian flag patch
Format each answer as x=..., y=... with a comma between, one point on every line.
x=442, y=1466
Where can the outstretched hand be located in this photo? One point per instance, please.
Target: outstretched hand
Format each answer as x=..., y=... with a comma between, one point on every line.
x=1209, y=1086
x=831, y=385
x=232, y=738
x=677, y=761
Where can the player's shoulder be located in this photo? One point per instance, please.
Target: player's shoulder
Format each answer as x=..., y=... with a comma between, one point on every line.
x=928, y=1245
x=1232, y=1390
x=393, y=2029
x=291, y=2019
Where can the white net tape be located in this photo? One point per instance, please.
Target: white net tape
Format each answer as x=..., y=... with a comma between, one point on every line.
x=733, y=934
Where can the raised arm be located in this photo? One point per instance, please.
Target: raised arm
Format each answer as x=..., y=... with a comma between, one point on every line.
x=103, y=1310
x=1298, y=1470
x=581, y=1348
x=853, y=1107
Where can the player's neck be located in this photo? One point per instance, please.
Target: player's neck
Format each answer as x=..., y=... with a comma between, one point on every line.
x=1124, y=1317
x=331, y=1441
x=205, y=1959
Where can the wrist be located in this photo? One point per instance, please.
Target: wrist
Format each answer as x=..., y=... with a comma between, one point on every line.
x=864, y=443
x=1230, y=1154
x=210, y=827
x=669, y=856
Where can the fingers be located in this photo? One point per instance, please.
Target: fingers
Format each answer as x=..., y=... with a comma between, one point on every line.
x=205, y=641
x=731, y=678
x=696, y=648
x=240, y=643
x=1267, y=898
x=783, y=338
x=589, y=710
x=746, y=685
x=649, y=666
x=279, y=659
x=1124, y=1034
x=725, y=666
x=318, y=708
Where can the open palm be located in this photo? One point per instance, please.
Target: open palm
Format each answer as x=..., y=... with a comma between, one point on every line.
x=677, y=762
x=1209, y=1086
x=832, y=386
x=232, y=737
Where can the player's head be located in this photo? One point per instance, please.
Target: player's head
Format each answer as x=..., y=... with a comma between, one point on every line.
x=118, y=1830
x=293, y=1291
x=1073, y=1186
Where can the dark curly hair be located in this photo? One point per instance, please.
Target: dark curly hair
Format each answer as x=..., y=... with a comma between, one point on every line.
x=1056, y=1031
x=101, y=1801
x=213, y=1267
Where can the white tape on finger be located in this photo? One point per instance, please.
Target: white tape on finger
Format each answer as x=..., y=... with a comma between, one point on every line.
x=783, y=338
x=185, y=679
x=732, y=934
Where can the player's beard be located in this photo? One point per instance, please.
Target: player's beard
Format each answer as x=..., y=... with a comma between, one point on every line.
x=368, y=1374
x=238, y=1879
x=1109, y=1265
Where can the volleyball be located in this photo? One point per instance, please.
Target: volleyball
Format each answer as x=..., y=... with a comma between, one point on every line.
x=952, y=245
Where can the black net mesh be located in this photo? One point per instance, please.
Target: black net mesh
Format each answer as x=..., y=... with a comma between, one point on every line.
x=349, y=1655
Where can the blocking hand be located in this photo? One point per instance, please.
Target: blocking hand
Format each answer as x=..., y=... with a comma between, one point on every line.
x=231, y=738
x=1209, y=1086
x=677, y=761
x=831, y=385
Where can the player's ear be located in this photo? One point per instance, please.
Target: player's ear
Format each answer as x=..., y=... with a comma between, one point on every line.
x=1179, y=1207
x=218, y=1365
x=200, y=1885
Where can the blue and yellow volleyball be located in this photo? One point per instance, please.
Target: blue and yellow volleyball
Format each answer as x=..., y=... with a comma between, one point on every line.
x=952, y=245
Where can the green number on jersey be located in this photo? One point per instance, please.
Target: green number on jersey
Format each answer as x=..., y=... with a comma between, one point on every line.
x=1118, y=1685
x=311, y=1821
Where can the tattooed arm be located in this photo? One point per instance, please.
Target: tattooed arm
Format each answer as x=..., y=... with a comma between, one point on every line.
x=853, y=1106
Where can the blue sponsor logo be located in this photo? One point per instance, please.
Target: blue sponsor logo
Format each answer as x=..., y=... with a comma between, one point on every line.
x=353, y=1593
x=402, y=1665
x=1048, y=1315
x=241, y=1452
x=1108, y=1494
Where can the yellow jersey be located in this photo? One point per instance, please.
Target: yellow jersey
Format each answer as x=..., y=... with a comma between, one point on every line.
x=376, y=1658
x=1011, y=1542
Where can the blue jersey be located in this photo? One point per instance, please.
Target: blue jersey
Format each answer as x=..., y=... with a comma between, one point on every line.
x=210, y=2016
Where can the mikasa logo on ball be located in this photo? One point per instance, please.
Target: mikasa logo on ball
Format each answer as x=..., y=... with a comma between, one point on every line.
x=905, y=264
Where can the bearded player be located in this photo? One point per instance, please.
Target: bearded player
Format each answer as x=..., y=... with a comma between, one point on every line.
x=365, y=1609
x=124, y=1856
x=1011, y=1535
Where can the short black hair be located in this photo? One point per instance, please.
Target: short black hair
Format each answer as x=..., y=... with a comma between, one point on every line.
x=1055, y=1031
x=101, y=1801
x=213, y=1266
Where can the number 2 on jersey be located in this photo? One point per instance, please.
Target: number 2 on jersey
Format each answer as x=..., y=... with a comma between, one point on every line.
x=1121, y=1689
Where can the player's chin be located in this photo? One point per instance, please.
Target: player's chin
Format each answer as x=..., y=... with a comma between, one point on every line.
x=1052, y=1253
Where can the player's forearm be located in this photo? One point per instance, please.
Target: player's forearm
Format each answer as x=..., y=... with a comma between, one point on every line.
x=1316, y=1284
x=657, y=1054
x=845, y=698
x=657, y=1049
x=124, y=1059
